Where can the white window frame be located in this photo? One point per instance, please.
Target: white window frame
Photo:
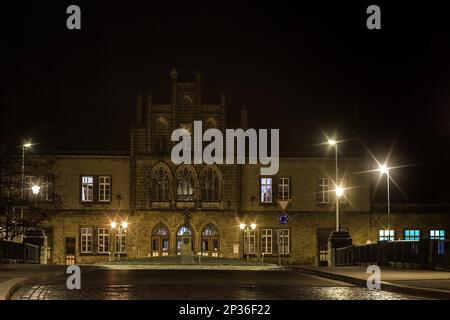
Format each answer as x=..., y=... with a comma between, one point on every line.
x=104, y=188
x=103, y=242
x=284, y=186
x=283, y=241
x=121, y=242
x=266, y=241
x=86, y=240
x=386, y=235
x=323, y=189
x=87, y=183
x=266, y=190
x=439, y=235
x=250, y=236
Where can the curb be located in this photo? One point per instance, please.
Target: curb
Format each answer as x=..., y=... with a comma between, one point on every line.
x=386, y=286
x=189, y=267
x=13, y=284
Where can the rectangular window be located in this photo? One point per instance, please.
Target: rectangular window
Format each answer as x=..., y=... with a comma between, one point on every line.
x=323, y=190
x=266, y=190
x=283, y=241
x=386, y=235
x=249, y=242
x=412, y=235
x=121, y=238
x=87, y=188
x=104, y=188
x=86, y=240
x=103, y=240
x=284, y=189
x=437, y=234
x=266, y=241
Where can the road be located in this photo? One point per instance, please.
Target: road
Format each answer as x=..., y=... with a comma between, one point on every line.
x=106, y=284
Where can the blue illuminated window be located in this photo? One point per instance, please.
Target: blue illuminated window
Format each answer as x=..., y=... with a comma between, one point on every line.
x=412, y=235
x=437, y=234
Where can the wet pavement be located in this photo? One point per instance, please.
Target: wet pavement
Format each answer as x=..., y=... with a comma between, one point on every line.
x=200, y=284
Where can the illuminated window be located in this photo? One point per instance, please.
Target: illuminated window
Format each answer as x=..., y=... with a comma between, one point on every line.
x=284, y=189
x=86, y=240
x=160, y=240
x=103, y=240
x=323, y=190
x=266, y=190
x=185, y=185
x=104, y=186
x=412, y=235
x=437, y=234
x=386, y=235
x=266, y=241
x=87, y=188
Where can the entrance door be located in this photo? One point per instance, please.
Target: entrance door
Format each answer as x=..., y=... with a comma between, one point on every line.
x=322, y=246
x=70, y=251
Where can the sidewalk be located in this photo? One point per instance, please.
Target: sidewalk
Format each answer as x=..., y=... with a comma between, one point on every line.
x=427, y=283
x=13, y=276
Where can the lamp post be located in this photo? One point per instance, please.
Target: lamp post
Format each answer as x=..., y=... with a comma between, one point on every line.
x=120, y=228
x=24, y=146
x=246, y=229
x=334, y=143
x=385, y=170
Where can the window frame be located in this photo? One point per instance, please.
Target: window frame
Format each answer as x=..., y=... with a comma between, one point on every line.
x=249, y=236
x=439, y=237
x=104, y=184
x=267, y=235
x=323, y=190
x=102, y=236
x=284, y=236
x=121, y=242
x=281, y=183
x=415, y=237
x=383, y=237
x=86, y=240
x=265, y=185
x=82, y=186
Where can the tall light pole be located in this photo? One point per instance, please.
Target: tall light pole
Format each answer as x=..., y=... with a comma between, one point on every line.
x=334, y=143
x=385, y=170
x=246, y=230
x=24, y=146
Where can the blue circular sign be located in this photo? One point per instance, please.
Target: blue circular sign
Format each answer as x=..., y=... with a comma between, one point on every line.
x=283, y=218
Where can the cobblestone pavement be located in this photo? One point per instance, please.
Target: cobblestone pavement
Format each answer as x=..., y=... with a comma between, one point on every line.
x=193, y=284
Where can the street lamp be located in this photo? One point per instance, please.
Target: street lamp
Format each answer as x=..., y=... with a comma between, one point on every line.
x=385, y=170
x=334, y=143
x=246, y=230
x=120, y=228
x=24, y=146
x=35, y=189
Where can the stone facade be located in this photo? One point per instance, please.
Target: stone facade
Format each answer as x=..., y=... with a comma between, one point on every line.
x=157, y=198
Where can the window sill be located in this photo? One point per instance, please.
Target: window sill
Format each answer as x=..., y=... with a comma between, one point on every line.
x=160, y=205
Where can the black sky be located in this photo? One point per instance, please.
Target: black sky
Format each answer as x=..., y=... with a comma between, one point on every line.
x=297, y=67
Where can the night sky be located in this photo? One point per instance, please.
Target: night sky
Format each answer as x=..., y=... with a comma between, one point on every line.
x=298, y=67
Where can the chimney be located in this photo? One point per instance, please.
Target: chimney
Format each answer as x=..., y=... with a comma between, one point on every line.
x=139, y=110
x=244, y=118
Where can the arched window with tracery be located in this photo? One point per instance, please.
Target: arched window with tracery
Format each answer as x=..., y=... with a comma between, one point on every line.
x=160, y=240
x=184, y=232
x=186, y=184
x=160, y=186
x=210, y=184
x=210, y=241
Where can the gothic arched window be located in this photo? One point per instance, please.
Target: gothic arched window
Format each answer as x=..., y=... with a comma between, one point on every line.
x=160, y=185
x=185, y=184
x=210, y=182
x=160, y=240
x=210, y=241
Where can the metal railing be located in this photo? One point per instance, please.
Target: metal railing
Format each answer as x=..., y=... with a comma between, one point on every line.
x=16, y=252
x=429, y=254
